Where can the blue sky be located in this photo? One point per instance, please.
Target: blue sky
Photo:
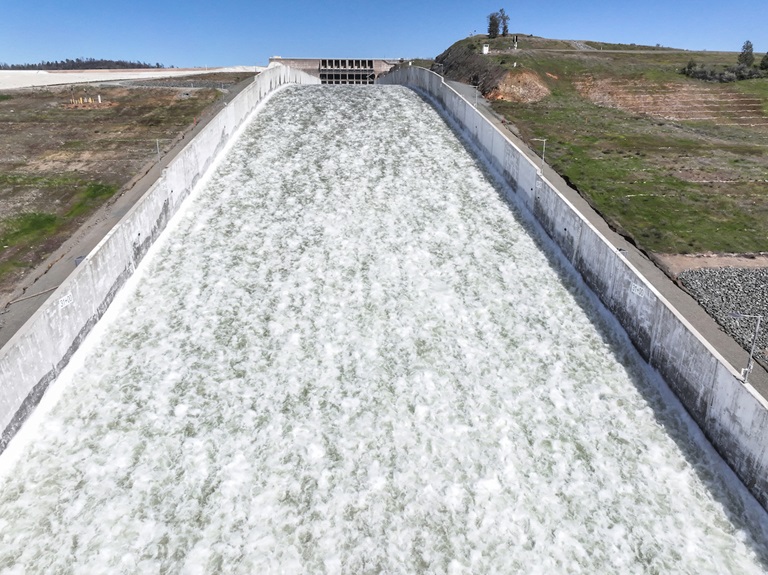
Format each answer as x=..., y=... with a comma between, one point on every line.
x=240, y=32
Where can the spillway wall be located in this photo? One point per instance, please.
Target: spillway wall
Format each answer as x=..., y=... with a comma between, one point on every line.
x=731, y=414
x=38, y=352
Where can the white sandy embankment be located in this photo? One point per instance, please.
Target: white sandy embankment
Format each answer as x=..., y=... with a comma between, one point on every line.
x=12, y=79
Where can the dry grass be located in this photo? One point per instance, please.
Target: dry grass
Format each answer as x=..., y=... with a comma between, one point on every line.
x=59, y=162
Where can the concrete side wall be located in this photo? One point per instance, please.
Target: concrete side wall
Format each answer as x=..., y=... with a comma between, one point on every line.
x=43, y=346
x=732, y=415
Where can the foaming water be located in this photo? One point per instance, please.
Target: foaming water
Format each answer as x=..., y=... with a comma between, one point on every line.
x=350, y=356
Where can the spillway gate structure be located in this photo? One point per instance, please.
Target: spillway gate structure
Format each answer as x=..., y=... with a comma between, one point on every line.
x=360, y=71
x=347, y=72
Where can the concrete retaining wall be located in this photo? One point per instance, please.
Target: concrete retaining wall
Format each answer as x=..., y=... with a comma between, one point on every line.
x=732, y=415
x=43, y=346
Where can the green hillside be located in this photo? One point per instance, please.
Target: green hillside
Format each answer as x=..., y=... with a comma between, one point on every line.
x=677, y=165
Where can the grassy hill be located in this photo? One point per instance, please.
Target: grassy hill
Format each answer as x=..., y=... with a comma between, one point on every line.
x=677, y=165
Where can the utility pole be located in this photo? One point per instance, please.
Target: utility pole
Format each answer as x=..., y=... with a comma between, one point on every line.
x=751, y=363
x=543, y=150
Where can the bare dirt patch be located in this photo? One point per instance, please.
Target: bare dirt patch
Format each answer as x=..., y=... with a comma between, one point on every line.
x=524, y=86
x=677, y=101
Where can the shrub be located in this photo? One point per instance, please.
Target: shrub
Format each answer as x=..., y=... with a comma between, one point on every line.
x=730, y=74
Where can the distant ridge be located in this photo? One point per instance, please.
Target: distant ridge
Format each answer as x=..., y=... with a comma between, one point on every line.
x=82, y=64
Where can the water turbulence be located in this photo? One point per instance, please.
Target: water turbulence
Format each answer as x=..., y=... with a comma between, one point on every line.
x=348, y=355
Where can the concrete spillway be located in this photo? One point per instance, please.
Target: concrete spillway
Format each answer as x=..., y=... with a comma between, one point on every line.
x=347, y=354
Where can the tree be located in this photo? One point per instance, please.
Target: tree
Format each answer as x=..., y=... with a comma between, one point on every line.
x=504, y=19
x=746, y=57
x=493, y=24
x=764, y=62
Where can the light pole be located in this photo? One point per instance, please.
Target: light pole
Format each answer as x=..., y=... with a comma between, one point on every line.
x=747, y=370
x=543, y=149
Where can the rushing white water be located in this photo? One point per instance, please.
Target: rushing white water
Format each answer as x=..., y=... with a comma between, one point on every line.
x=349, y=356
